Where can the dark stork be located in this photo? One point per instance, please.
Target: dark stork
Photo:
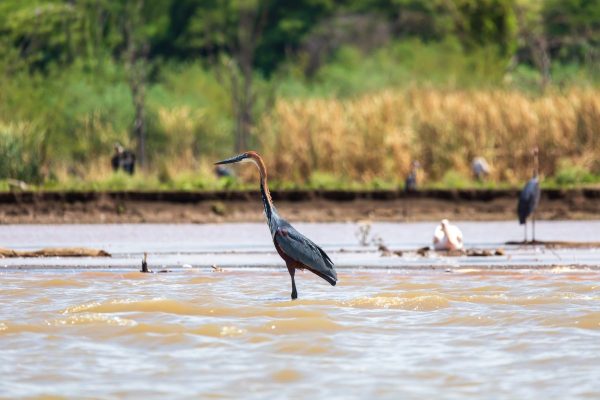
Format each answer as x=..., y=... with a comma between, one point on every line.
x=410, y=184
x=297, y=250
x=530, y=197
x=124, y=159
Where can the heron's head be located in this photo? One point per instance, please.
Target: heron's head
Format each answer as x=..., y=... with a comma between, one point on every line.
x=248, y=156
x=535, y=151
x=244, y=157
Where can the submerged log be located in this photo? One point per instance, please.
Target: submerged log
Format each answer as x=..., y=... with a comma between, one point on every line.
x=54, y=252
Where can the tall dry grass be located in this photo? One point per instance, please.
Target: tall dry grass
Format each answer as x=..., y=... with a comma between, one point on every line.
x=378, y=135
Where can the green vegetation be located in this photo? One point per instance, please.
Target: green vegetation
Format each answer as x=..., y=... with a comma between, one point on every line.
x=186, y=82
x=573, y=175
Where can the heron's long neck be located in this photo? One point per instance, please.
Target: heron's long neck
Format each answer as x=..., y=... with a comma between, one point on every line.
x=536, y=165
x=264, y=190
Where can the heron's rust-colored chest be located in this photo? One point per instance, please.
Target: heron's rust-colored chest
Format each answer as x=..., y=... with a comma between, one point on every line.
x=290, y=262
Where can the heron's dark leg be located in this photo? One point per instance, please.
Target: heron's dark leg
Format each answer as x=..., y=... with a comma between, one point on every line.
x=292, y=272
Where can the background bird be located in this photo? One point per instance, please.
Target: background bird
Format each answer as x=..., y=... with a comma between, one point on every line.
x=297, y=250
x=530, y=198
x=410, y=184
x=124, y=159
x=447, y=237
x=480, y=167
x=223, y=172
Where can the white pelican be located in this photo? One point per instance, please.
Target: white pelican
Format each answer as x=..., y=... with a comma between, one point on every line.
x=447, y=237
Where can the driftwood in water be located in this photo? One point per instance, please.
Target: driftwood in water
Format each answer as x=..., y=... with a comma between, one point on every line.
x=556, y=244
x=386, y=252
x=54, y=252
x=424, y=252
x=485, y=252
x=472, y=252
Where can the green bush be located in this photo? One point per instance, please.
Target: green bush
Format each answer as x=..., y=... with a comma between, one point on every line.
x=21, y=152
x=399, y=64
x=569, y=174
x=453, y=179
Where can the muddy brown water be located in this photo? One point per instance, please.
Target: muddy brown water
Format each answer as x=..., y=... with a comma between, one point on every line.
x=523, y=325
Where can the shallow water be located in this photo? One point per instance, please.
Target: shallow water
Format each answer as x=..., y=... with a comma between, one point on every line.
x=406, y=327
x=250, y=245
x=196, y=333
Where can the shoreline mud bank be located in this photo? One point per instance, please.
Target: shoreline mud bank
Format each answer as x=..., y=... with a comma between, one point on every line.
x=296, y=205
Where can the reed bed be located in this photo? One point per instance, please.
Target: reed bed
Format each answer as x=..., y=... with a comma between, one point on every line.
x=365, y=141
x=376, y=136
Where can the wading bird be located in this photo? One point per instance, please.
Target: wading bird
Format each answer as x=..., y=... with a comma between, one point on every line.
x=410, y=184
x=297, y=251
x=223, y=172
x=124, y=159
x=447, y=237
x=481, y=168
x=529, y=198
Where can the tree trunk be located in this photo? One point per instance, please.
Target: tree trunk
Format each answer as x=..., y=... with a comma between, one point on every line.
x=539, y=52
x=245, y=110
x=251, y=23
x=537, y=43
x=139, y=124
x=137, y=53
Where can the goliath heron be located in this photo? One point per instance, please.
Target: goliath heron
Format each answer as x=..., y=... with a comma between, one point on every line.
x=297, y=251
x=530, y=197
x=447, y=237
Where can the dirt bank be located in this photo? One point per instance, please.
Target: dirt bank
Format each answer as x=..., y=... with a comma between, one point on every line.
x=322, y=206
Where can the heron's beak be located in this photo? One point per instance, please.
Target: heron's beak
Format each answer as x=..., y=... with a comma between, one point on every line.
x=232, y=160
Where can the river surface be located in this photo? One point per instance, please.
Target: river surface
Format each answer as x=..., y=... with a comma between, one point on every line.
x=524, y=325
x=250, y=245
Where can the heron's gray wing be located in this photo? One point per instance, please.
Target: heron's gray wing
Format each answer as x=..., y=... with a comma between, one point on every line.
x=304, y=251
x=528, y=199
